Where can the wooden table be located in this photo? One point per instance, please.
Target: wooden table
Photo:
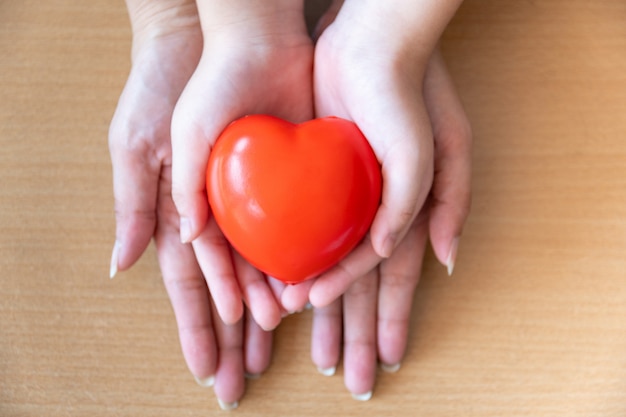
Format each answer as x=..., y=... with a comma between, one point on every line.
x=533, y=323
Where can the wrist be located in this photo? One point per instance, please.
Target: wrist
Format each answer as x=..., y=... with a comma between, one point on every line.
x=252, y=22
x=403, y=30
x=153, y=20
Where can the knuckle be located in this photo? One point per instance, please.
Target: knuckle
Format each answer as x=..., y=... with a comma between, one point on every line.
x=456, y=135
x=397, y=280
x=361, y=342
x=141, y=143
x=403, y=218
x=362, y=287
x=125, y=213
x=185, y=283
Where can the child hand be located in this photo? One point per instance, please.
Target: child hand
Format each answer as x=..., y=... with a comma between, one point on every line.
x=370, y=66
x=257, y=58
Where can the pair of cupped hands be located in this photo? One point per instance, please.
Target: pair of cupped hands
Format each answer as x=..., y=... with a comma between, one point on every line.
x=193, y=72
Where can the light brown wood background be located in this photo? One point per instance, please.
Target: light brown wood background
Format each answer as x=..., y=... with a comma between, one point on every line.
x=533, y=323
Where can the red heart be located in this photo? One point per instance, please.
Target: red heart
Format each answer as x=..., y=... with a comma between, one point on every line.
x=293, y=199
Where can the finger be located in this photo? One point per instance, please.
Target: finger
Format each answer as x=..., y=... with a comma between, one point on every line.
x=187, y=291
x=278, y=287
x=136, y=169
x=451, y=195
x=229, y=378
x=257, y=294
x=399, y=276
x=257, y=349
x=359, y=312
x=214, y=255
x=295, y=297
x=326, y=338
x=333, y=283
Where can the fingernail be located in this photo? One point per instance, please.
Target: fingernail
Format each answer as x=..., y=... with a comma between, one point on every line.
x=114, y=259
x=205, y=382
x=390, y=368
x=185, y=230
x=388, y=245
x=452, y=255
x=362, y=397
x=308, y=306
x=227, y=406
x=327, y=371
x=252, y=376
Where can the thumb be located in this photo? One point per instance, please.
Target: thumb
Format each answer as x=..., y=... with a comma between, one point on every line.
x=135, y=181
x=404, y=144
x=197, y=121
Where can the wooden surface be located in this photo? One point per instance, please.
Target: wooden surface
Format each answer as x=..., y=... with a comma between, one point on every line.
x=533, y=323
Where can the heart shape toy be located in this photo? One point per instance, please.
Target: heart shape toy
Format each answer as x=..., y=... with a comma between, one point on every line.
x=293, y=200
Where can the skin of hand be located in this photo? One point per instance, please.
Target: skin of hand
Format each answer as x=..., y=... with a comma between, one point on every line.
x=372, y=316
x=370, y=64
x=257, y=58
x=167, y=44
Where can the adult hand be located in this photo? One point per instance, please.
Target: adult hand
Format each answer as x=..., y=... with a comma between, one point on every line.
x=139, y=141
x=257, y=58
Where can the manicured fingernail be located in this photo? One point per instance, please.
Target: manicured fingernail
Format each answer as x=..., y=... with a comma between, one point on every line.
x=114, y=259
x=327, y=371
x=252, y=376
x=185, y=230
x=390, y=368
x=452, y=255
x=362, y=397
x=388, y=245
x=205, y=382
x=227, y=406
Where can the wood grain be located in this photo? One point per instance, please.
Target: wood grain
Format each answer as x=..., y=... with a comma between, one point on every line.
x=532, y=323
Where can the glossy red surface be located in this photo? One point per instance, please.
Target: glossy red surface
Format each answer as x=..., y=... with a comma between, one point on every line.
x=293, y=199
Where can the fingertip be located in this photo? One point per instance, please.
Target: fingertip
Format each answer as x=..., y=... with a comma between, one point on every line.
x=321, y=297
x=270, y=321
x=205, y=382
x=318, y=298
x=366, y=396
x=114, y=259
x=227, y=406
x=192, y=221
x=387, y=230
x=445, y=229
x=451, y=258
x=230, y=311
x=295, y=297
x=386, y=247
x=231, y=316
